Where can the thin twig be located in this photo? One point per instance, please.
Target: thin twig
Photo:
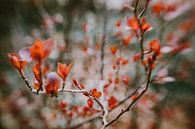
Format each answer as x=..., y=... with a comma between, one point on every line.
x=40, y=78
x=62, y=90
x=145, y=8
x=141, y=35
x=25, y=80
x=97, y=116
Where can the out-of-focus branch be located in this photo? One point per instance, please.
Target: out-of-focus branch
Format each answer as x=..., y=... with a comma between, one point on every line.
x=142, y=59
x=88, y=94
x=134, y=101
x=103, y=42
x=144, y=9
x=104, y=36
x=118, y=62
x=98, y=116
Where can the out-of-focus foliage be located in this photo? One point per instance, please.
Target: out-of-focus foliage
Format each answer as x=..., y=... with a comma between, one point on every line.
x=76, y=27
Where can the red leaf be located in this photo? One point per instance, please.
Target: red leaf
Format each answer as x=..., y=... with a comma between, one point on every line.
x=90, y=103
x=125, y=80
x=62, y=105
x=95, y=93
x=137, y=57
x=112, y=102
x=74, y=81
x=134, y=97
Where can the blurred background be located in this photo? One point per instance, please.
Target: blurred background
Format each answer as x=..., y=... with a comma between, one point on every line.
x=77, y=24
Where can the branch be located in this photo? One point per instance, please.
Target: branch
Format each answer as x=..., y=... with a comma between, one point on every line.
x=26, y=80
x=141, y=35
x=145, y=8
x=104, y=112
x=134, y=101
x=40, y=78
x=62, y=90
x=103, y=42
x=118, y=62
x=97, y=116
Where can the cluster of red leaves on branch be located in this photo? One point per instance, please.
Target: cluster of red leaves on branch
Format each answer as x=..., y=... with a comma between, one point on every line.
x=37, y=55
x=77, y=111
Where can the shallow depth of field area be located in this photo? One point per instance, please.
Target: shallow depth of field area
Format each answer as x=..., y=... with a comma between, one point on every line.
x=97, y=64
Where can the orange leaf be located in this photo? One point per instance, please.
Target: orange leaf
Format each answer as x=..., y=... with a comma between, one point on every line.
x=95, y=93
x=41, y=50
x=37, y=50
x=113, y=49
x=18, y=63
x=158, y=7
x=145, y=26
x=36, y=71
x=133, y=23
x=63, y=70
x=123, y=61
x=155, y=46
x=127, y=40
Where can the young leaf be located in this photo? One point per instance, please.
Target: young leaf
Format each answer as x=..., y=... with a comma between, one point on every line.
x=18, y=63
x=63, y=70
x=155, y=46
x=53, y=82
